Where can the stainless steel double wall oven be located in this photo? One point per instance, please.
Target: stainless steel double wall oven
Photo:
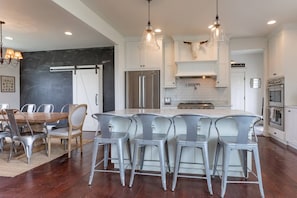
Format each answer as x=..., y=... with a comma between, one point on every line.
x=276, y=102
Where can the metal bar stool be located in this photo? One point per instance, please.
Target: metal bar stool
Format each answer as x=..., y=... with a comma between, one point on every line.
x=113, y=130
x=154, y=130
x=236, y=133
x=197, y=133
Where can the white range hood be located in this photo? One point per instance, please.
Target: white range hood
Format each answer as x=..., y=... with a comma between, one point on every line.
x=196, y=68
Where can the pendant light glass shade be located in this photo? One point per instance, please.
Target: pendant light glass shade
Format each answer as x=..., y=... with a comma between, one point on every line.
x=217, y=33
x=148, y=40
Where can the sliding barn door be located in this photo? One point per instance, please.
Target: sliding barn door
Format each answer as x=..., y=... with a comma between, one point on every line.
x=87, y=89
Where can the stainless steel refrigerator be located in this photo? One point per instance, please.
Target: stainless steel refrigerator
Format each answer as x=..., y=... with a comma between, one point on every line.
x=143, y=89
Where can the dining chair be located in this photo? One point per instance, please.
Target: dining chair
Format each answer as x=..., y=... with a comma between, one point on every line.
x=30, y=108
x=197, y=129
x=154, y=131
x=236, y=133
x=114, y=130
x=4, y=133
x=3, y=107
x=46, y=108
x=76, y=120
x=27, y=137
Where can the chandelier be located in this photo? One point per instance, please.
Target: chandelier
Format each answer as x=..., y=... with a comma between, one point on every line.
x=149, y=39
x=11, y=56
x=217, y=33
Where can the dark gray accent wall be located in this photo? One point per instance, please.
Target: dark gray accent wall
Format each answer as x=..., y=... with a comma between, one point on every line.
x=39, y=85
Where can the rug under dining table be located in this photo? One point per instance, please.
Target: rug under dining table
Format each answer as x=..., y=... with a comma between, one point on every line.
x=18, y=164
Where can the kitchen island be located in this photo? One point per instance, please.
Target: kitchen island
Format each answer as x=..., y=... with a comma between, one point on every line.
x=189, y=155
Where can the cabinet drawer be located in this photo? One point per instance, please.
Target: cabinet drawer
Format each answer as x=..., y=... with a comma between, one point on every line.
x=277, y=134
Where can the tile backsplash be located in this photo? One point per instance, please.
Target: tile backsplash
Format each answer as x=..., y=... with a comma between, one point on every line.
x=197, y=89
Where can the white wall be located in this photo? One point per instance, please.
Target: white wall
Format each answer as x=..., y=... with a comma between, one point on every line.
x=13, y=99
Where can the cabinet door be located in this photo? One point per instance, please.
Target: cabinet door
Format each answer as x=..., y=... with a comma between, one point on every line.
x=169, y=66
x=132, y=55
x=138, y=58
x=275, y=56
x=223, y=65
x=291, y=126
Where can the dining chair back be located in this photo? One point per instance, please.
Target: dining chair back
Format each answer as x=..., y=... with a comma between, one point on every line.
x=46, y=108
x=26, y=138
x=197, y=129
x=30, y=108
x=76, y=120
x=154, y=131
x=236, y=133
x=114, y=130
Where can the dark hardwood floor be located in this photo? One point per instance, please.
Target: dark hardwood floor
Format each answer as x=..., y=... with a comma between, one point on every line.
x=65, y=177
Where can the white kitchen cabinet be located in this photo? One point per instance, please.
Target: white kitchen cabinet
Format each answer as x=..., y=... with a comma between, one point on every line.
x=277, y=134
x=140, y=59
x=223, y=65
x=275, y=45
x=169, y=65
x=291, y=126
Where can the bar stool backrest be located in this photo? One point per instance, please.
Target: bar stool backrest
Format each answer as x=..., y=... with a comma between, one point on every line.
x=240, y=126
x=152, y=123
x=194, y=126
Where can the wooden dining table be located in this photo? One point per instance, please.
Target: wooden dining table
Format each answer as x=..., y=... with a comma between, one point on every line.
x=38, y=117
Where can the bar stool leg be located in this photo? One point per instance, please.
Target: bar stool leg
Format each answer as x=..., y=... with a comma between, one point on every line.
x=94, y=157
x=121, y=161
x=162, y=164
x=206, y=165
x=258, y=169
x=135, y=154
x=176, y=165
x=227, y=151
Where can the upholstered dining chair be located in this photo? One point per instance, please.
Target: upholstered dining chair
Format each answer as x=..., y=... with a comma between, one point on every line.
x=153, y=131
x=236, y=133
x=76, y=120
x=194, y=135
x=26, y=137
x=30, y=108
x=114, y=130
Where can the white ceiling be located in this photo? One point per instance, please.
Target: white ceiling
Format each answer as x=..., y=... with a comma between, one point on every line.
x=38, y=25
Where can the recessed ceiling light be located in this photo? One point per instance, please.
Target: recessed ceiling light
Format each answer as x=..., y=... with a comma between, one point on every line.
x=158, y=30
x=68, y=33
x=8, y=38
x=271, y=22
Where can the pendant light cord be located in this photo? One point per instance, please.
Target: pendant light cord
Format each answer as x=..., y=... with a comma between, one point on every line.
x=1, y=44
x=149, y=12
x=217, y=17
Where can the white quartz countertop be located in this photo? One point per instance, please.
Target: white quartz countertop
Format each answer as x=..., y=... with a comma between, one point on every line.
x=171, y=112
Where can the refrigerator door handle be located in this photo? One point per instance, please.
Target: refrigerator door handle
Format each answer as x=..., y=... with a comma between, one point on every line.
x=96, y=99
x=139, y=91
x=143, y=92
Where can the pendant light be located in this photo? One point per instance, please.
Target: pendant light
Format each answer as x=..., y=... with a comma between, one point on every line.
x=148, y=40
x=11, y=56
x=217, y=33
